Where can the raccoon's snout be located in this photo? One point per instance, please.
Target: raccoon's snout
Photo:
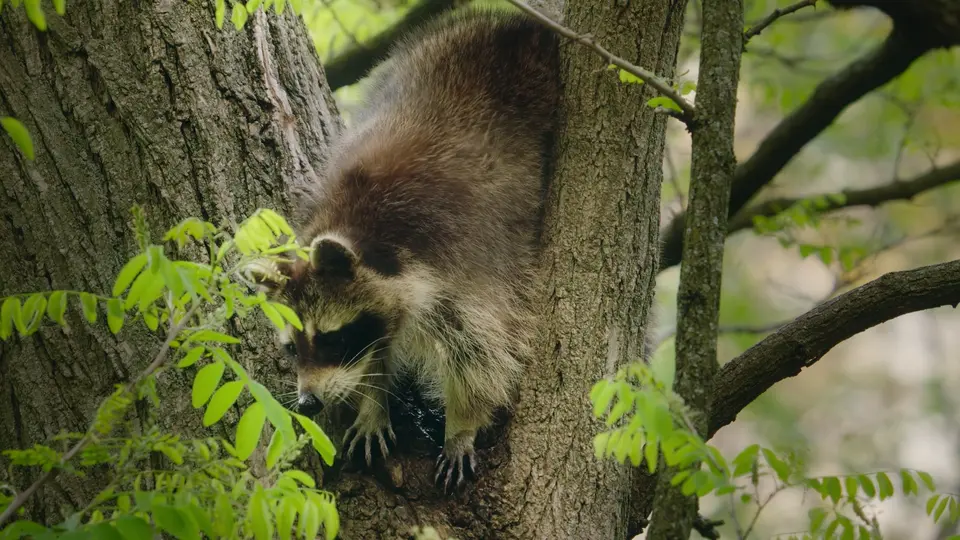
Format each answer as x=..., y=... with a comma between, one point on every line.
x=309, y=405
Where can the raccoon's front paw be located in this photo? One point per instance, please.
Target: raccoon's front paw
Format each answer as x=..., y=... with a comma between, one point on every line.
x=456, y=457
x=367, y=431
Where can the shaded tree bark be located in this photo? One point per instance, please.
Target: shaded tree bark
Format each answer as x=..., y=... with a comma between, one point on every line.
x=130, y=104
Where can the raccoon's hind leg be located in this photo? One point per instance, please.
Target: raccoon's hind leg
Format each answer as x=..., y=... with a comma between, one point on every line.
x=373, y=414
x=478, y=377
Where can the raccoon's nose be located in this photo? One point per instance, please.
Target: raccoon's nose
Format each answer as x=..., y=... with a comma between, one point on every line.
x=309, y=405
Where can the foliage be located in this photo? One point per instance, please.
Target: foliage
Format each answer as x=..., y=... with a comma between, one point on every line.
x=206, y=485
x=646, y=420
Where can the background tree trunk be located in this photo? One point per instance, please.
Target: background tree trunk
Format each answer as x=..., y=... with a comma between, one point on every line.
x=130, y=103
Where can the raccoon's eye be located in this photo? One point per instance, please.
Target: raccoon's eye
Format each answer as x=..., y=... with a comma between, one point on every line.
x=290, y=348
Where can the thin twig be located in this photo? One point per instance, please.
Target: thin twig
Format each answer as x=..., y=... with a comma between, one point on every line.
x=158, y=361
x=773, y=16
x=584, y=39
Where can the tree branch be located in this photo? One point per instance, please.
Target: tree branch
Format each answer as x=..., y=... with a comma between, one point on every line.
x=698, y=299
x=773, y=16
x=807, y=339
x=584, y=39
x=353, y=64
x=894, y=191
x=829, y=99
x=130, y=387
x=933, y=22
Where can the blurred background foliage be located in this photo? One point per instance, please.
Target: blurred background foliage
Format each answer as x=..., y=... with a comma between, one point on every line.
x=886, y=399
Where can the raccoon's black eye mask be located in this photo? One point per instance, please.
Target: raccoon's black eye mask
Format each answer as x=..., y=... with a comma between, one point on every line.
x=344, y=346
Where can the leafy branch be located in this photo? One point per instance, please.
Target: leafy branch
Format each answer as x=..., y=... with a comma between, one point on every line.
x=688, y=112
x=203, y=492
x=828, y=100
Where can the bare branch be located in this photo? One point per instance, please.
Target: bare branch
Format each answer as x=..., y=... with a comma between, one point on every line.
x=773, y=16
x=353, y=64
x=829, y=99
x=894, y=191
x=807, y=339
x=698, y=299
x=656, y=82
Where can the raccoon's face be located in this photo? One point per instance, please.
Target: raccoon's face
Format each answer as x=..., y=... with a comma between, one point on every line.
x=346, y=323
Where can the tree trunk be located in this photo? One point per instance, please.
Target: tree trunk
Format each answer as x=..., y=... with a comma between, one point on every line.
x=135, y=103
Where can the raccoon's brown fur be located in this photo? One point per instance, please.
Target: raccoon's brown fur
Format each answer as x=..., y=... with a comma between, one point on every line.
x=424, y=231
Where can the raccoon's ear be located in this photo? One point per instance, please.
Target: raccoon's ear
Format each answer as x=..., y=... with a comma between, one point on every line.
x=268, y=276
x=332, y=257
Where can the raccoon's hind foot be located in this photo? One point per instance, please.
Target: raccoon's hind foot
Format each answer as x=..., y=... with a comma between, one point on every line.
x=367, y=430
x=456, y=459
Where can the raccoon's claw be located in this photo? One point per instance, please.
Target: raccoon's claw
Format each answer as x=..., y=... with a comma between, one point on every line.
x=451, y=465
x=356, y=432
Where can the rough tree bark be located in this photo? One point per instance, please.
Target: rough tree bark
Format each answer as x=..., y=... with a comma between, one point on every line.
x=130, y=103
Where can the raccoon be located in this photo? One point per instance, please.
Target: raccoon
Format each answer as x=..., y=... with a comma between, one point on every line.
x=424, y=233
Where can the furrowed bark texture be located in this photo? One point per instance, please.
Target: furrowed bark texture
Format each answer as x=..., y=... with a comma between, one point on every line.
x=698, y=298
x=130, y=103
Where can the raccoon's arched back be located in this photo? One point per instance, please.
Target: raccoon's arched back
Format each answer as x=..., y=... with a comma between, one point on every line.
x=445, y=161
x=474, y=57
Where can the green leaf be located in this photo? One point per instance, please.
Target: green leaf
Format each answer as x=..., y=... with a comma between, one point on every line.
x=884, y=486
x=222, y=400
x=301, y=477
x=8, y=314
x=32, y=313
x=665, y=102
x=60, y=6
x=275, y=448
x=206, y=382
x=781, y=468
x=601, y=394
x=259, y=514
x=276, y=413
x=288, y=314
x=127, y=274
x=867, y=485
x=134, y=528
x=19, y=133
x=270, y=311
x=221, y=11
x=249, y=430
x=651, y=454
x=852, y=486
x=817, y=515
x=932, y=503
x=331, y=520
x=744, y=461
x=831, y=486
x=176, y=522
x=35, y=14
x=210, y=335
x=940, y=508
x=909, y=484
x=686, y=87
x=88, y=303
x=309, y=519
x=191, y=357
x=57, y=307
x=239, y=16
x=927, y=480
x=115, y=315
x=321, y=443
